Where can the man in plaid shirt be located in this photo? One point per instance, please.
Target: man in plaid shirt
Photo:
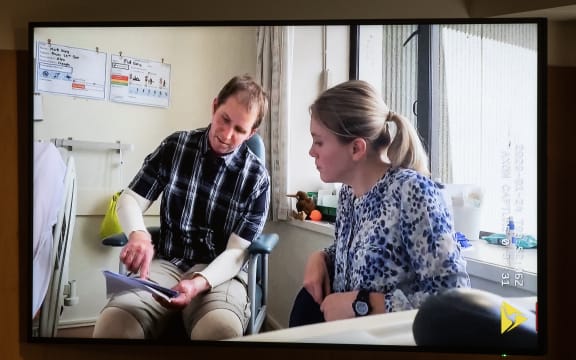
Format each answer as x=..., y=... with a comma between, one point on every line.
x=215, y=200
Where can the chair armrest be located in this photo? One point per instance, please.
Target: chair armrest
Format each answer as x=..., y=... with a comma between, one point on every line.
x=115, y=240
x=263, y=244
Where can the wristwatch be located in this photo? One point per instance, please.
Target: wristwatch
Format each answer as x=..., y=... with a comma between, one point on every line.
x=361, y=305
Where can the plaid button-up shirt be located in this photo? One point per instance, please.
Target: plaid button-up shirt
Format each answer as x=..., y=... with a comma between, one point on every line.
x=205, y=197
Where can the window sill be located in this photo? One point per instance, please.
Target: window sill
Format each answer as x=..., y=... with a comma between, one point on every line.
x=322, y=227
x=489, y=262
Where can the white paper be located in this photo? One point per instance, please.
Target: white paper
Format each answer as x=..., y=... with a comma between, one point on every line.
x=116, y=283
x=70, y=71
x=137, y=81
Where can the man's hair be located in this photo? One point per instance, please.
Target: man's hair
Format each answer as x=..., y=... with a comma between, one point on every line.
x=249, y=93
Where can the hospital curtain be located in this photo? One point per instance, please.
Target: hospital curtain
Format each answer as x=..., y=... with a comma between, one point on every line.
x=274, y=67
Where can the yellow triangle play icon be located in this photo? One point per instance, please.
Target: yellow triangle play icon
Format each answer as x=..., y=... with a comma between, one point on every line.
x=510, y=317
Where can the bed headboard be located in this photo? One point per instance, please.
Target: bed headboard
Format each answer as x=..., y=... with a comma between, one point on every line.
x=60, y=291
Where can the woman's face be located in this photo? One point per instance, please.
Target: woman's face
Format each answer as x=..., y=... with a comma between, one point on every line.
x=333, y=159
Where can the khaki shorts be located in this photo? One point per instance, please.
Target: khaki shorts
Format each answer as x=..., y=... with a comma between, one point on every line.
x=154, y=318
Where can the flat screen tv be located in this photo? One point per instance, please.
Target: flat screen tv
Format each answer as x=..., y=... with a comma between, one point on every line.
x=105, y=94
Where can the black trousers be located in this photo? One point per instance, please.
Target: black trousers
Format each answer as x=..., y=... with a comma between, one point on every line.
x=305, y=310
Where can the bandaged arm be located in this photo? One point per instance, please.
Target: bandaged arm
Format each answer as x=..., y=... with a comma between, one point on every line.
x=226, y=265
x=130, y=208
x=223, y=268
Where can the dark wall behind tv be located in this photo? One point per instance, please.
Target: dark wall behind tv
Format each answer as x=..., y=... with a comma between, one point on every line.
x=13, y=69
x=70, y=10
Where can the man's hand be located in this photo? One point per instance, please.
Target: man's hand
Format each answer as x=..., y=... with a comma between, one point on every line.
x=188, y=289
x=137, y=254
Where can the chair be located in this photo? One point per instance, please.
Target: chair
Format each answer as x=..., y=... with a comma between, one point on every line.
x=259, y=251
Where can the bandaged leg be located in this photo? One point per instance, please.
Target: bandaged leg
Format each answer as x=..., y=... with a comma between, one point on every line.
x=217, y=324
x=135, y=314
x=115, y=323
x=222, y=313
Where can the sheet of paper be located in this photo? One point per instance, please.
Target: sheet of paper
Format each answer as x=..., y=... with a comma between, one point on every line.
x=70, y=71
x=116, y=283
x=139, y=81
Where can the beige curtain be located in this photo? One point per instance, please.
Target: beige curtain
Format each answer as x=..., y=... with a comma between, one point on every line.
x=274, y=64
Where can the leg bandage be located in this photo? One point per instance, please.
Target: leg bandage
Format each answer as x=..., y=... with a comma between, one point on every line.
x=115, y=323
x=217, y=324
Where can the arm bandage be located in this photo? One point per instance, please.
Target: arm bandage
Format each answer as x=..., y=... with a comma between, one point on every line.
x=227, y=265
x=130, y=208
x=224, y=267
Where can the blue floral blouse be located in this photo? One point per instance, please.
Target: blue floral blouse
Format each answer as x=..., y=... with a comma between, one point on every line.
x=396, y=239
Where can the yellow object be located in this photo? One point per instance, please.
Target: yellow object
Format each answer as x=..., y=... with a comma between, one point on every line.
x=110, y=224
x=315, y=215
x=510, y=317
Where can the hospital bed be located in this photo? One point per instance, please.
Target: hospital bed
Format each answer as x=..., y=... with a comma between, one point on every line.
x=54, y=214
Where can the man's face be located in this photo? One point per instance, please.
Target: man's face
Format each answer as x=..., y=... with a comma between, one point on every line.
x=231, y=125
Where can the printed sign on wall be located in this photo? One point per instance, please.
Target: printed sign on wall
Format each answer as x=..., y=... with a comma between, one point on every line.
x=70, y=71
x=141, y=82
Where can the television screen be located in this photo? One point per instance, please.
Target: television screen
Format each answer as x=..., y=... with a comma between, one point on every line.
x=106, y=95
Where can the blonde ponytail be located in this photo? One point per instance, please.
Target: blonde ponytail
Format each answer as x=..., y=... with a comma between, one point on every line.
x=354, y=109
x=406, y=149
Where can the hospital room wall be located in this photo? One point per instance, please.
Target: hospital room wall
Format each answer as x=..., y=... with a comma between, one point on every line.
x=196, y=77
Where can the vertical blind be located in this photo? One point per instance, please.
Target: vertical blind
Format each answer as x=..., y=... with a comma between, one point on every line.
x=485, y=107
x=487, y=130
x=391, y=65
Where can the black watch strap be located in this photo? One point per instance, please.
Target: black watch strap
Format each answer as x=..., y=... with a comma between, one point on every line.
x=361, y=305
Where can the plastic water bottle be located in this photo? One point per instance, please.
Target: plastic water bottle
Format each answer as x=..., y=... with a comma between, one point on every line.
x=510, y=238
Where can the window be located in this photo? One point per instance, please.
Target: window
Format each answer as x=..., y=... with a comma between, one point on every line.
x=391, y=64
x=471, y=90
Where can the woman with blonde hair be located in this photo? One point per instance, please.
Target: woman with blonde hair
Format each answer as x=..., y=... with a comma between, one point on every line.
x=394, y=240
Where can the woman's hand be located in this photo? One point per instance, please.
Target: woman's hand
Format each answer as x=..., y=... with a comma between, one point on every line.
x=338, y=305
x=188, y=290
x=137, y=254
x=316, y=277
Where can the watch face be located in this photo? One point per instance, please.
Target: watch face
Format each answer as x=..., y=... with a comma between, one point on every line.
x=361, y=308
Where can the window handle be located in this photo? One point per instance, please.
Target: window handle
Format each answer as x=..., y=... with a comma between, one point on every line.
x=410, y=37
